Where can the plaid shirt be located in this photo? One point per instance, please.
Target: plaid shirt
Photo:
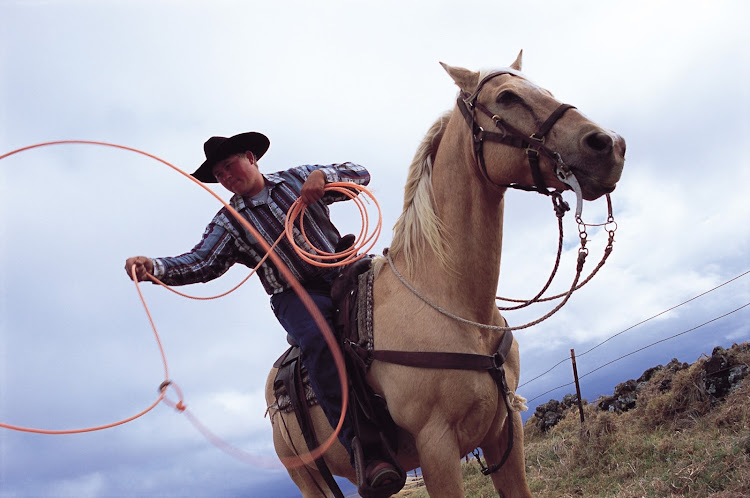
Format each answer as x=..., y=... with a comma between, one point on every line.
x=226, y=242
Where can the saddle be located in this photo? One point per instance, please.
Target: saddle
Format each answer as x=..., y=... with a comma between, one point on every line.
x=373, y=426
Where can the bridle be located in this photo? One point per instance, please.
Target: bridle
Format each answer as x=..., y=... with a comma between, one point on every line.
x=534, y=145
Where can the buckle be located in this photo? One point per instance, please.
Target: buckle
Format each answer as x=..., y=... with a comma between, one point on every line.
x=530, y=149
x=533, y=136
x=497, y=361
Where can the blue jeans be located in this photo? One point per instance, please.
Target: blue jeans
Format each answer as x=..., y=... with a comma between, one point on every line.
x=316, y=357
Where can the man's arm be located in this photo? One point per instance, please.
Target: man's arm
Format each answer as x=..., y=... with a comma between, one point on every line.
x=313, y=188
x=346, y=172
x=209, y=259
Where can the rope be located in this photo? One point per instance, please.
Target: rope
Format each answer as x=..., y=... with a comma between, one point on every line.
x=440, y=309
x=162, y=395
x=363, y=243
x=289, y=462
x=217, y=296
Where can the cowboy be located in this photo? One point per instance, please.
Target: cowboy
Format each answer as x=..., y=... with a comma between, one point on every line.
x=263, y=200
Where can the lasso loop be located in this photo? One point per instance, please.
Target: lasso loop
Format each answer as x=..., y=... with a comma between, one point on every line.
x=319, y=258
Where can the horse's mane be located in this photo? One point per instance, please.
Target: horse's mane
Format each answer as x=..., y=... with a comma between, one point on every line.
x=419, y=224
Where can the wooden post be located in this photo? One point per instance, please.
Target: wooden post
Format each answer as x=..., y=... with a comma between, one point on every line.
x=578, y=386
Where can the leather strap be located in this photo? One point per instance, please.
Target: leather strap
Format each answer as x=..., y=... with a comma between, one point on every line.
x=464, y=361
x=291, y=376
x=533, y=144
x=552, y=119
x=450, y=361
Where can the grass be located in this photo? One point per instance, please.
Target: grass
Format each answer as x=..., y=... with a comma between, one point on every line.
x=674, y=443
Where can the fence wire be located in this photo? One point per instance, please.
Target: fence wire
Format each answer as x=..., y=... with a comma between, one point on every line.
x=566, y=359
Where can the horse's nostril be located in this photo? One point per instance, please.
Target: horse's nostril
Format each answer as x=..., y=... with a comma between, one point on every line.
x=598, y=141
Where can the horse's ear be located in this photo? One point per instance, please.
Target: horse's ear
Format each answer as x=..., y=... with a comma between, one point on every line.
x=466, y=80
x=517, y=63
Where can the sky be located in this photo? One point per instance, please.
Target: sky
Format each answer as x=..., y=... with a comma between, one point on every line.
x=328, y=82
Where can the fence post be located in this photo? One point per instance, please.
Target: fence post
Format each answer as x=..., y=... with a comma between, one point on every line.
x=578, y=386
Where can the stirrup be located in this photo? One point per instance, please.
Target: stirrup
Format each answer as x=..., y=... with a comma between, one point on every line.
x=363, y=487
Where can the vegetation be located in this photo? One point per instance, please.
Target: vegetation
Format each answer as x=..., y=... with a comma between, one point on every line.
x=677, y=441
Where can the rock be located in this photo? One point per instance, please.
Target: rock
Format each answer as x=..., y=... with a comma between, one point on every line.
x=721, y=374
x=623, y=399
x=648, y=373
x=675, y=365
x=736, y=374
x=569, y=401
x=549, y=414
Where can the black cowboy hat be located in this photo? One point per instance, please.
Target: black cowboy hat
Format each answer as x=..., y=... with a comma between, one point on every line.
x=218, y=148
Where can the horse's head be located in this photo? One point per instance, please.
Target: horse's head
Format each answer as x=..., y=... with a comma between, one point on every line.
x=523, y=137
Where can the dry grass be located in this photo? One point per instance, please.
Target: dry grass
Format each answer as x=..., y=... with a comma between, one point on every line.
x=674, y=443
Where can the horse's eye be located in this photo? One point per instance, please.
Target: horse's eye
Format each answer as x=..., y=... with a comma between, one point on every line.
x=507, y=97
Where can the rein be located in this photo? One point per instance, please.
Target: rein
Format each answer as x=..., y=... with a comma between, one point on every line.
x=582, y=253
x=560, y=208
x=610, y=226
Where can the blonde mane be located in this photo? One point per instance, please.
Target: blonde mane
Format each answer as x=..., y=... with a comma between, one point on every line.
x=419, y=226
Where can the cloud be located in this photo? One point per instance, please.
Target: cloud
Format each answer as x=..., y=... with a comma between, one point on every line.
x=328, y=82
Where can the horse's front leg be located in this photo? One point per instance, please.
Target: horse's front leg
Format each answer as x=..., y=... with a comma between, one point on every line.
x=510, y=479
x=440, y=460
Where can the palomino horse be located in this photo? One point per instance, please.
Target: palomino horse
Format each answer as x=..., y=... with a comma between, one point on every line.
x=447, y=246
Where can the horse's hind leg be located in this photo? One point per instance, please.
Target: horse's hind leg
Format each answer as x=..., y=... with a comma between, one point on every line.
x=510, y=479
x=309, y=481
x=289, y=443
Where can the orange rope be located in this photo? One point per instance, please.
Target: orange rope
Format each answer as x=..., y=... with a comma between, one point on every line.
x=363, y=243
x=121, y=422
x=298, y=209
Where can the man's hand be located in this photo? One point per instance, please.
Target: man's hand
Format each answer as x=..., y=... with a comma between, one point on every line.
x=314, y=187
x=143, y=267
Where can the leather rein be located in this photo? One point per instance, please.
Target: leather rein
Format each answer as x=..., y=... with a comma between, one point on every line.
x=534, y=145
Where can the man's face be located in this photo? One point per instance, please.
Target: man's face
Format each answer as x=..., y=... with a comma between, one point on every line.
x=239, y=174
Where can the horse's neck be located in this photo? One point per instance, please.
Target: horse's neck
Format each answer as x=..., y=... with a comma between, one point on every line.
x=472, y=215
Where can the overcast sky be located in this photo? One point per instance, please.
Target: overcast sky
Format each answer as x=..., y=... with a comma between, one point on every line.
x=327, y=81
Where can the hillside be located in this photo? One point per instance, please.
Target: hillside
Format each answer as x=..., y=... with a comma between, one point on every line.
x=678, y=430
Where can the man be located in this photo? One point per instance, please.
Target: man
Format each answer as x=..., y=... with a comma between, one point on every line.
x=264, y=200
